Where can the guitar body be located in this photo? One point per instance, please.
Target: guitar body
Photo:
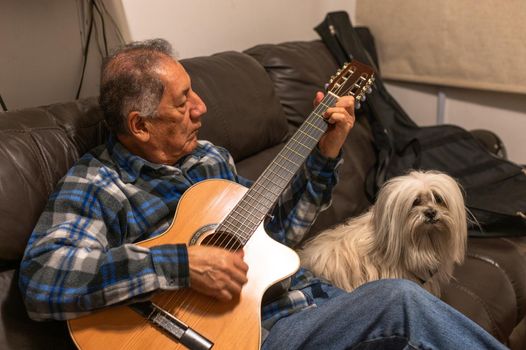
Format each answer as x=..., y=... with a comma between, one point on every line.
x=228, y=325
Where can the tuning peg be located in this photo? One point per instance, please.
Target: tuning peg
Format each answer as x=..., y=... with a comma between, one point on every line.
x=360, y=97
x=357, y=105
x=369, y=89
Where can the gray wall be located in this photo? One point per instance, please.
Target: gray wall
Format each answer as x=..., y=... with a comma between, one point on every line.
x=41, y=45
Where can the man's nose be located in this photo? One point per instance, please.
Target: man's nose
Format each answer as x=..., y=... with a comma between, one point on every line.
x=197, y=106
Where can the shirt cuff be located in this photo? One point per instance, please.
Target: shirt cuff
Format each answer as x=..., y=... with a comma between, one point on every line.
x=322, y=169
x=171, y=265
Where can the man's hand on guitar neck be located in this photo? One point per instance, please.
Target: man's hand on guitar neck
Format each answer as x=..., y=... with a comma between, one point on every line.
x=217, y=272
x=341, y=120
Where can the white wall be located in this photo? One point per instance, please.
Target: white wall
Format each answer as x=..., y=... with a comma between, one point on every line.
x=202, y=27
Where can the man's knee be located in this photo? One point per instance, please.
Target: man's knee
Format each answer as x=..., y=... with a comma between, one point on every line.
x=388, y=290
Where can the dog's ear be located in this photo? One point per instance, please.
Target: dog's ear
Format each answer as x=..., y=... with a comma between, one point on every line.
x=389, y=216
x=451, y=192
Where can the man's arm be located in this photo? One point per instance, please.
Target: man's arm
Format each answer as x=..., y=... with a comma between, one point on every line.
x=77, y=259
x=310, y=190
x=72, y=266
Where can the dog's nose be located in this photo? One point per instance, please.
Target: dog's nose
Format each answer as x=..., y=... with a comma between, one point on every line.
x=430, y=213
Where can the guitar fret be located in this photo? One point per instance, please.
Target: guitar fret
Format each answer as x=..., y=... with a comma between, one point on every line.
x=249, y=212
x=286, y=169
x=238, y=224
x=304, y=133
x=244, y=221
x=292, y=150
x=279, y=175
x=287, y=159
x=263, y=195
x=316, y=127
x=274, y=190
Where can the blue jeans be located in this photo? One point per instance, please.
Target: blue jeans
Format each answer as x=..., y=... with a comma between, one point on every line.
x=385, y=314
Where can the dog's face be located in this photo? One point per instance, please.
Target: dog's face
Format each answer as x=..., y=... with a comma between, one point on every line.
x=421, y=219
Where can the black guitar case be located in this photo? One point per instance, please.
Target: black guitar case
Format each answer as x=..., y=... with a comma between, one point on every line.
x=495, y=188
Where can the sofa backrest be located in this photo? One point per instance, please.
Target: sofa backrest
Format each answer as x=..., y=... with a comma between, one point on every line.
x=37, y=147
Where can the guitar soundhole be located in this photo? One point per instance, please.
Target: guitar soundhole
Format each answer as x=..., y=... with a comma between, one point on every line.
x=224, y=240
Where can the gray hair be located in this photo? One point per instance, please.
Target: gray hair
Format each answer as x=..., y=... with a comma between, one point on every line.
x=129, y=83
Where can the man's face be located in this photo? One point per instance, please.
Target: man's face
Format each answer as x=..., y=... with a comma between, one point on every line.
x=174, y=129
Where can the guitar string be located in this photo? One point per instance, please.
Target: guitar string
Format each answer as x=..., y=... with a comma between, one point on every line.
x=136, y=335
x=235, y=245
x=331, y=100
x=250, y=225
x=232, y=244
x=265, y=180
x=143, y=327
x=145, y=324
x=244, y=224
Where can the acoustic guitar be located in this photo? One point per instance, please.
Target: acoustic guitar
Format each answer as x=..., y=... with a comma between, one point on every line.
x=225, y=214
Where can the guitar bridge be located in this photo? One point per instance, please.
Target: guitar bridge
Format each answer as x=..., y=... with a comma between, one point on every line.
x=172, y=326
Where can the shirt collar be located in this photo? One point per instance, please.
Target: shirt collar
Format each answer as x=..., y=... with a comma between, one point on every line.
x=131, y=165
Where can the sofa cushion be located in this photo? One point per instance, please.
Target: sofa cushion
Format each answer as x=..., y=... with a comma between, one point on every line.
x=38, y=146
x=240, y=100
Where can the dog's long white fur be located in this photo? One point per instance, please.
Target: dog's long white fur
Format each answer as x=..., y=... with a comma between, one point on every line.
x=396, y=238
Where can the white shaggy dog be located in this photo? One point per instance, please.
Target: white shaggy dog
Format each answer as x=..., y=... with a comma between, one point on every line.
x=417, y=230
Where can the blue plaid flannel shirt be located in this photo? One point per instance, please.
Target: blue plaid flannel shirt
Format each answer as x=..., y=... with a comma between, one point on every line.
x=81, y=255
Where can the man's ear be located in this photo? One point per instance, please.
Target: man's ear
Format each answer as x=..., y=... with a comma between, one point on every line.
x=138, y=126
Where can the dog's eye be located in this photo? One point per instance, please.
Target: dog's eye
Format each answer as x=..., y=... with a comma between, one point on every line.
x=417, y=201
x=438, y=198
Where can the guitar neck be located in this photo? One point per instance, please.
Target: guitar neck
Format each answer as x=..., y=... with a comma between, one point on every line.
x=248, y=214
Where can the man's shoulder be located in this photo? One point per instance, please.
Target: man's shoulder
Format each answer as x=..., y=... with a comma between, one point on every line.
x=91, y=165
x=208, y=148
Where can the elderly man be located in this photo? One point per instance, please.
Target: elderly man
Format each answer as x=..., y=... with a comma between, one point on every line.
x=81, y=255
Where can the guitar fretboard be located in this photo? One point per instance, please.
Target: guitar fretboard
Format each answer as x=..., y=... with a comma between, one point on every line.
x=248, y=214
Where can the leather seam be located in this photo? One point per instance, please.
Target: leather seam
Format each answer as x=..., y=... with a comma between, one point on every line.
x=468, y=291
x=508, y=277
x=44, y=166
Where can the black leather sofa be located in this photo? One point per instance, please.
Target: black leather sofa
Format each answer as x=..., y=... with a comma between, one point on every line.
x=255, y=100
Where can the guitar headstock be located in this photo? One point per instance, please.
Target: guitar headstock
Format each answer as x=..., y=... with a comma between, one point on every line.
x=355, y=79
